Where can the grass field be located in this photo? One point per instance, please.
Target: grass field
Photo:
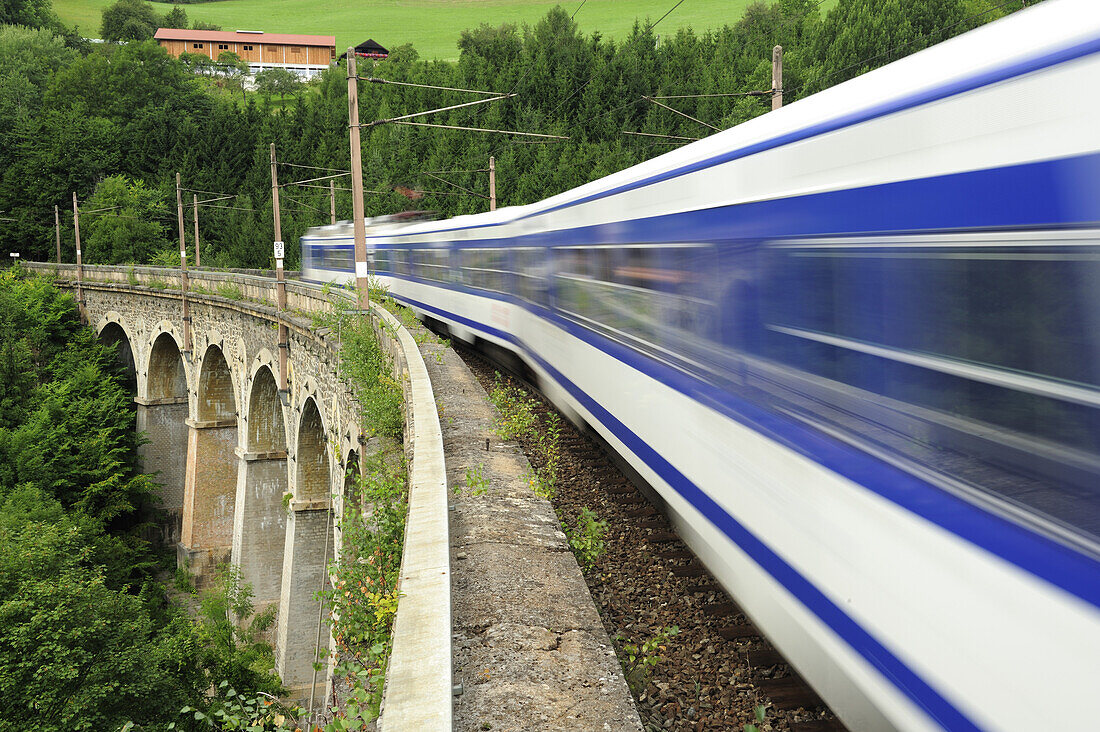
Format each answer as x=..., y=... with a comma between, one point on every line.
x=432, y=26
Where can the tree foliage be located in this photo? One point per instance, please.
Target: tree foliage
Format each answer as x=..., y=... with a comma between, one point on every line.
x=130, y=225
x=129, y=20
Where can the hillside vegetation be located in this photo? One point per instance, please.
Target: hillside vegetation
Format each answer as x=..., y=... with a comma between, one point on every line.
x=431, y=26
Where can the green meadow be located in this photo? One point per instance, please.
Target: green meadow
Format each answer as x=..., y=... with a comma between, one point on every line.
x=432, y=26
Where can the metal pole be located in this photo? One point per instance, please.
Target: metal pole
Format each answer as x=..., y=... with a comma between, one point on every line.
x=492, y=183
x=332, y=201
x=357, y=214
x=198, y=257
x=79, y=257
x=280, y=279
x=777, y=77
x=57, y=230
x=183, y=268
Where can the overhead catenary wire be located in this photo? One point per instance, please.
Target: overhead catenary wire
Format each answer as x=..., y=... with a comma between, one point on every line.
x=311, y=180
x=667, y=13
x=654, y=134
x=374, y=80
x=765, y=93
x=209, y=193
x=403, y=117
x=313, y=167
x=455, y=185
x=682, y=114
x=323, y=188
x=482, y=129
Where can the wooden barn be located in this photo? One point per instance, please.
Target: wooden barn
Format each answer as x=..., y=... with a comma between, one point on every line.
x=304, y=55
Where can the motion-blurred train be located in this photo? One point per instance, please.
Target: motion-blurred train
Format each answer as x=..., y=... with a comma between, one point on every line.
x=854, y=346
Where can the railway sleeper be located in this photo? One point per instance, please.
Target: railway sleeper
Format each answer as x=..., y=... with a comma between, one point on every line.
x=735, y=632
x=789, y=693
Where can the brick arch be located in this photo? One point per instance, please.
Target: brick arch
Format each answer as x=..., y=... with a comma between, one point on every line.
x=314, y=475
x=217, y=397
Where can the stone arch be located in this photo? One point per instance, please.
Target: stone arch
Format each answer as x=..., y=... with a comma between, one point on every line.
x=162, y=410
x=166, y=373
x=210, y=489
x=309, y=536
x=112, y=332
x=351, y=478
x=217, y=398
x=259, y=531
x=113, y=335
x=314, y=476
x=266, y=427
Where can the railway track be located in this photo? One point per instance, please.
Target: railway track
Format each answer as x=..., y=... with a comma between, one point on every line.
x=719, y=669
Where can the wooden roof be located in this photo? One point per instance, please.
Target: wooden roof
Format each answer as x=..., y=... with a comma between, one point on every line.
x=180, y=34
x=372, y=47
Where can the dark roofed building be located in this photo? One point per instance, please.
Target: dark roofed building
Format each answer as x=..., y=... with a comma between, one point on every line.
x=371, y=49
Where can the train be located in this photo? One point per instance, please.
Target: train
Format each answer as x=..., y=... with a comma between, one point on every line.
x=853, y=347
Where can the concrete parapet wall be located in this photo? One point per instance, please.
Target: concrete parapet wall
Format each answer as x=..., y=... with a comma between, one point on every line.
x=418, y=680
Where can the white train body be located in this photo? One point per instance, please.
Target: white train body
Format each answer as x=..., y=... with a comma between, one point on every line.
x=854, y=345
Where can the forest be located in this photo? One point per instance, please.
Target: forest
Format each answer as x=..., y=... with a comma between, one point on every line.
x=114, y=123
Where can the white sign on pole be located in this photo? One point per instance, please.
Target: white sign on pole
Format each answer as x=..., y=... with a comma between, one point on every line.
x=279, y=249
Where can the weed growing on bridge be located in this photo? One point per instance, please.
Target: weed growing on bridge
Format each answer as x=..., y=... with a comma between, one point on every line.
x=476, y=482
x=230, y=291
x=587, y=539
x=366, y=369
x=519, y=420
x=364, y=598
x=639, y=660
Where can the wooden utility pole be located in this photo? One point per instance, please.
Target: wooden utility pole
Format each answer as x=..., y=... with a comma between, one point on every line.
x=57, y=231
x=492, y=183
x=332, y=201
x=183, y=269
x=79, y=257
x=198, y=256
x=361, y=269
x=777, y=77
x=280, y=278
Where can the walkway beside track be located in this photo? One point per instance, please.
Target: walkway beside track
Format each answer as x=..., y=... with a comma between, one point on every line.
x=530, y=651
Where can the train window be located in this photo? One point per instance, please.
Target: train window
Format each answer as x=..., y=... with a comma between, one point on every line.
x=529, y=268
x=485, y=269
x=989, y=344
x=431, y=264
x=400, y=261
x=382, y=260
x=337, y=258
x=652, y=294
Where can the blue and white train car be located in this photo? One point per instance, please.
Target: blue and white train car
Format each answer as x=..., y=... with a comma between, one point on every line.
x=854, y=345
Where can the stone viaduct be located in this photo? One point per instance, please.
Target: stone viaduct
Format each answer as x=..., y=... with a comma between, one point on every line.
x=251, y=474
